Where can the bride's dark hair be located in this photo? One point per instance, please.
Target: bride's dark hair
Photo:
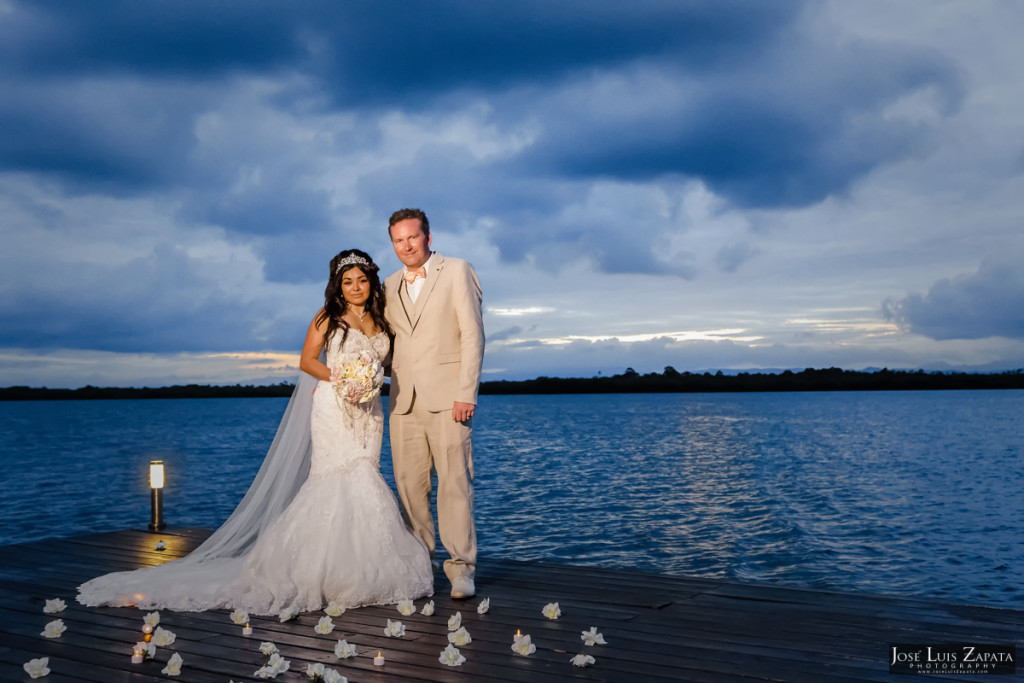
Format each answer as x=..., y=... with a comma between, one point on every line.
x=335, y=305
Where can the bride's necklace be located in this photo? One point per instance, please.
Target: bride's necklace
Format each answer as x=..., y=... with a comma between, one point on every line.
x=359, y=315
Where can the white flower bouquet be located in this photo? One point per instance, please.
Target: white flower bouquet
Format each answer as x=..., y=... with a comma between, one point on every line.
x=358, y=379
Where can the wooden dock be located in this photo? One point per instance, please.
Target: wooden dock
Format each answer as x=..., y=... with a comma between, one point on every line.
x=657, y=628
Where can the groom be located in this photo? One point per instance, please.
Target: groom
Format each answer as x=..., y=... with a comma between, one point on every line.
x=433, y=306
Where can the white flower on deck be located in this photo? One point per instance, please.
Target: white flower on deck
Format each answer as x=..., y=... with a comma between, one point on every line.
x=582, y=660
x=428, y=609
x=240, y=616
x=552, y=610
x=147, y=650
x=484, y=605
x=54, y=629
x=37, y=668
x=54, y=606
x=460, y=637
x=592, y=637
x=405, y=607
x=173, y=667
x=287, y=614
x=332, y=676
x=523, y=646
x=344, y=649
x=162, y=637
x=160, y=545
x=268, y=649
x=450, y=656
x=315, y=671
x=324, y=626
x=274, y=666
x=455, y=621
x=152, y=619
x=394, y=629
x=334, y=609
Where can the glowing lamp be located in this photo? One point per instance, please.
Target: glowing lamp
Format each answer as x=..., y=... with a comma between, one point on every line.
x=156, y=495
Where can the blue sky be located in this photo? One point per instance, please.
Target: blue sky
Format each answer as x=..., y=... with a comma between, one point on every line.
x=709, y=185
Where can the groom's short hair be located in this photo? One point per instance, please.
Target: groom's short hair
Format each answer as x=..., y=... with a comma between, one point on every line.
x=406, y=214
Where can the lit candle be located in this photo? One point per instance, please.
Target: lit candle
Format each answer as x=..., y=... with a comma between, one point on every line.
x=137, y=656
x=379, y=659
x=517, y=637
x=247, y=630
x=147, y=637
x=146, y=628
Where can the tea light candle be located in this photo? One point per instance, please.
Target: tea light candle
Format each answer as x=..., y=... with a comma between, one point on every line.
x=517, y=637
x=146, y=628
x=137, y=656
x=379, y=659
x=247, y=630
x=147, y=637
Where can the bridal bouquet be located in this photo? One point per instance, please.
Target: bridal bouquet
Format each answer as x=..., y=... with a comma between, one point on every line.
x=358, y=379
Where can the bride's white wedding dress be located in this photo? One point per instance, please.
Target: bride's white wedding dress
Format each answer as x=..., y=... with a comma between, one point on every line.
x=341, y=537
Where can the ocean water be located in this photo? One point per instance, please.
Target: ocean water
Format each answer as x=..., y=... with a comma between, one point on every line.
x=907, y=493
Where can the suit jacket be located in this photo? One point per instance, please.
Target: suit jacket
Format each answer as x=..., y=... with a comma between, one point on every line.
x=439, y=340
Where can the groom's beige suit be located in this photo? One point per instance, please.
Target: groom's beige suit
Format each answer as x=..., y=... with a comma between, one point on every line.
x=438, y=352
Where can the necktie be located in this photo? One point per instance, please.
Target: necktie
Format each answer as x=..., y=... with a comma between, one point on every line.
x=411, y=275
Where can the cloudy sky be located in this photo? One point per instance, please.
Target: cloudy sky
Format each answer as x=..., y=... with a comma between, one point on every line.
x=707, y=185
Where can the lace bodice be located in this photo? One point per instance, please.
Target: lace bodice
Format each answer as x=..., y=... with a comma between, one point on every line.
x=357, y=342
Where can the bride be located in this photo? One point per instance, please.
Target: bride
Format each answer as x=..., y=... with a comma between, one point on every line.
x=319, y=523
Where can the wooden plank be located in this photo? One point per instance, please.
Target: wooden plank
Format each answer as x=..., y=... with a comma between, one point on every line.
x=659, y=628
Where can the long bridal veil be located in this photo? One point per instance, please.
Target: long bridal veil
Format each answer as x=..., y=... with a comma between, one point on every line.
x=280, y=477
x=193, y=582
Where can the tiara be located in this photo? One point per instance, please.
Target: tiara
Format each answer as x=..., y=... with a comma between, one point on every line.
x=350, y=260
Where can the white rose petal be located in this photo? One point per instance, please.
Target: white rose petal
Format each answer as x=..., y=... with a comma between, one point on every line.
x=54, y=629
x=160, y=545
x=450, y=656
x=287, y=614
x=405, y=607
x=324, y=626
x=314, y=670
x=173, y=667
x=240, y=616
x=37, y=668
x=334, y=609
x=523, y=646
x=551, y=610
x=455, y=621
x=344, y=649
x=147, y=649
x=460, y=637
x=484, y=605
x=54, y=606
x=428, y=609
x=582, y=660
x=153, y=618
x=162, y=637
x=264, y=672
x=394, y=629
x=278, y=664
x=268, y=649
x=332, y=676
x=592, y=637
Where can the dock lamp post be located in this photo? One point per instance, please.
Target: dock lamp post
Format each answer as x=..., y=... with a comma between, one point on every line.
x=156, y=495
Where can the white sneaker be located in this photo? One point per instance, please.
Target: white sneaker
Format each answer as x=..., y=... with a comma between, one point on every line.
x=463, y=587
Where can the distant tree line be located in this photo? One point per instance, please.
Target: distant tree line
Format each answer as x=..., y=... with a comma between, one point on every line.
x=629, y=382
x=832, y=379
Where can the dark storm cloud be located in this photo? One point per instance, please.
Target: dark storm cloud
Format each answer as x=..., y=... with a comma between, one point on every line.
x=988, y=303
x=730, y=93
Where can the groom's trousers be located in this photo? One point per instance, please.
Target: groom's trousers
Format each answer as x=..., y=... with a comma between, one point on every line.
x=420, y=441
